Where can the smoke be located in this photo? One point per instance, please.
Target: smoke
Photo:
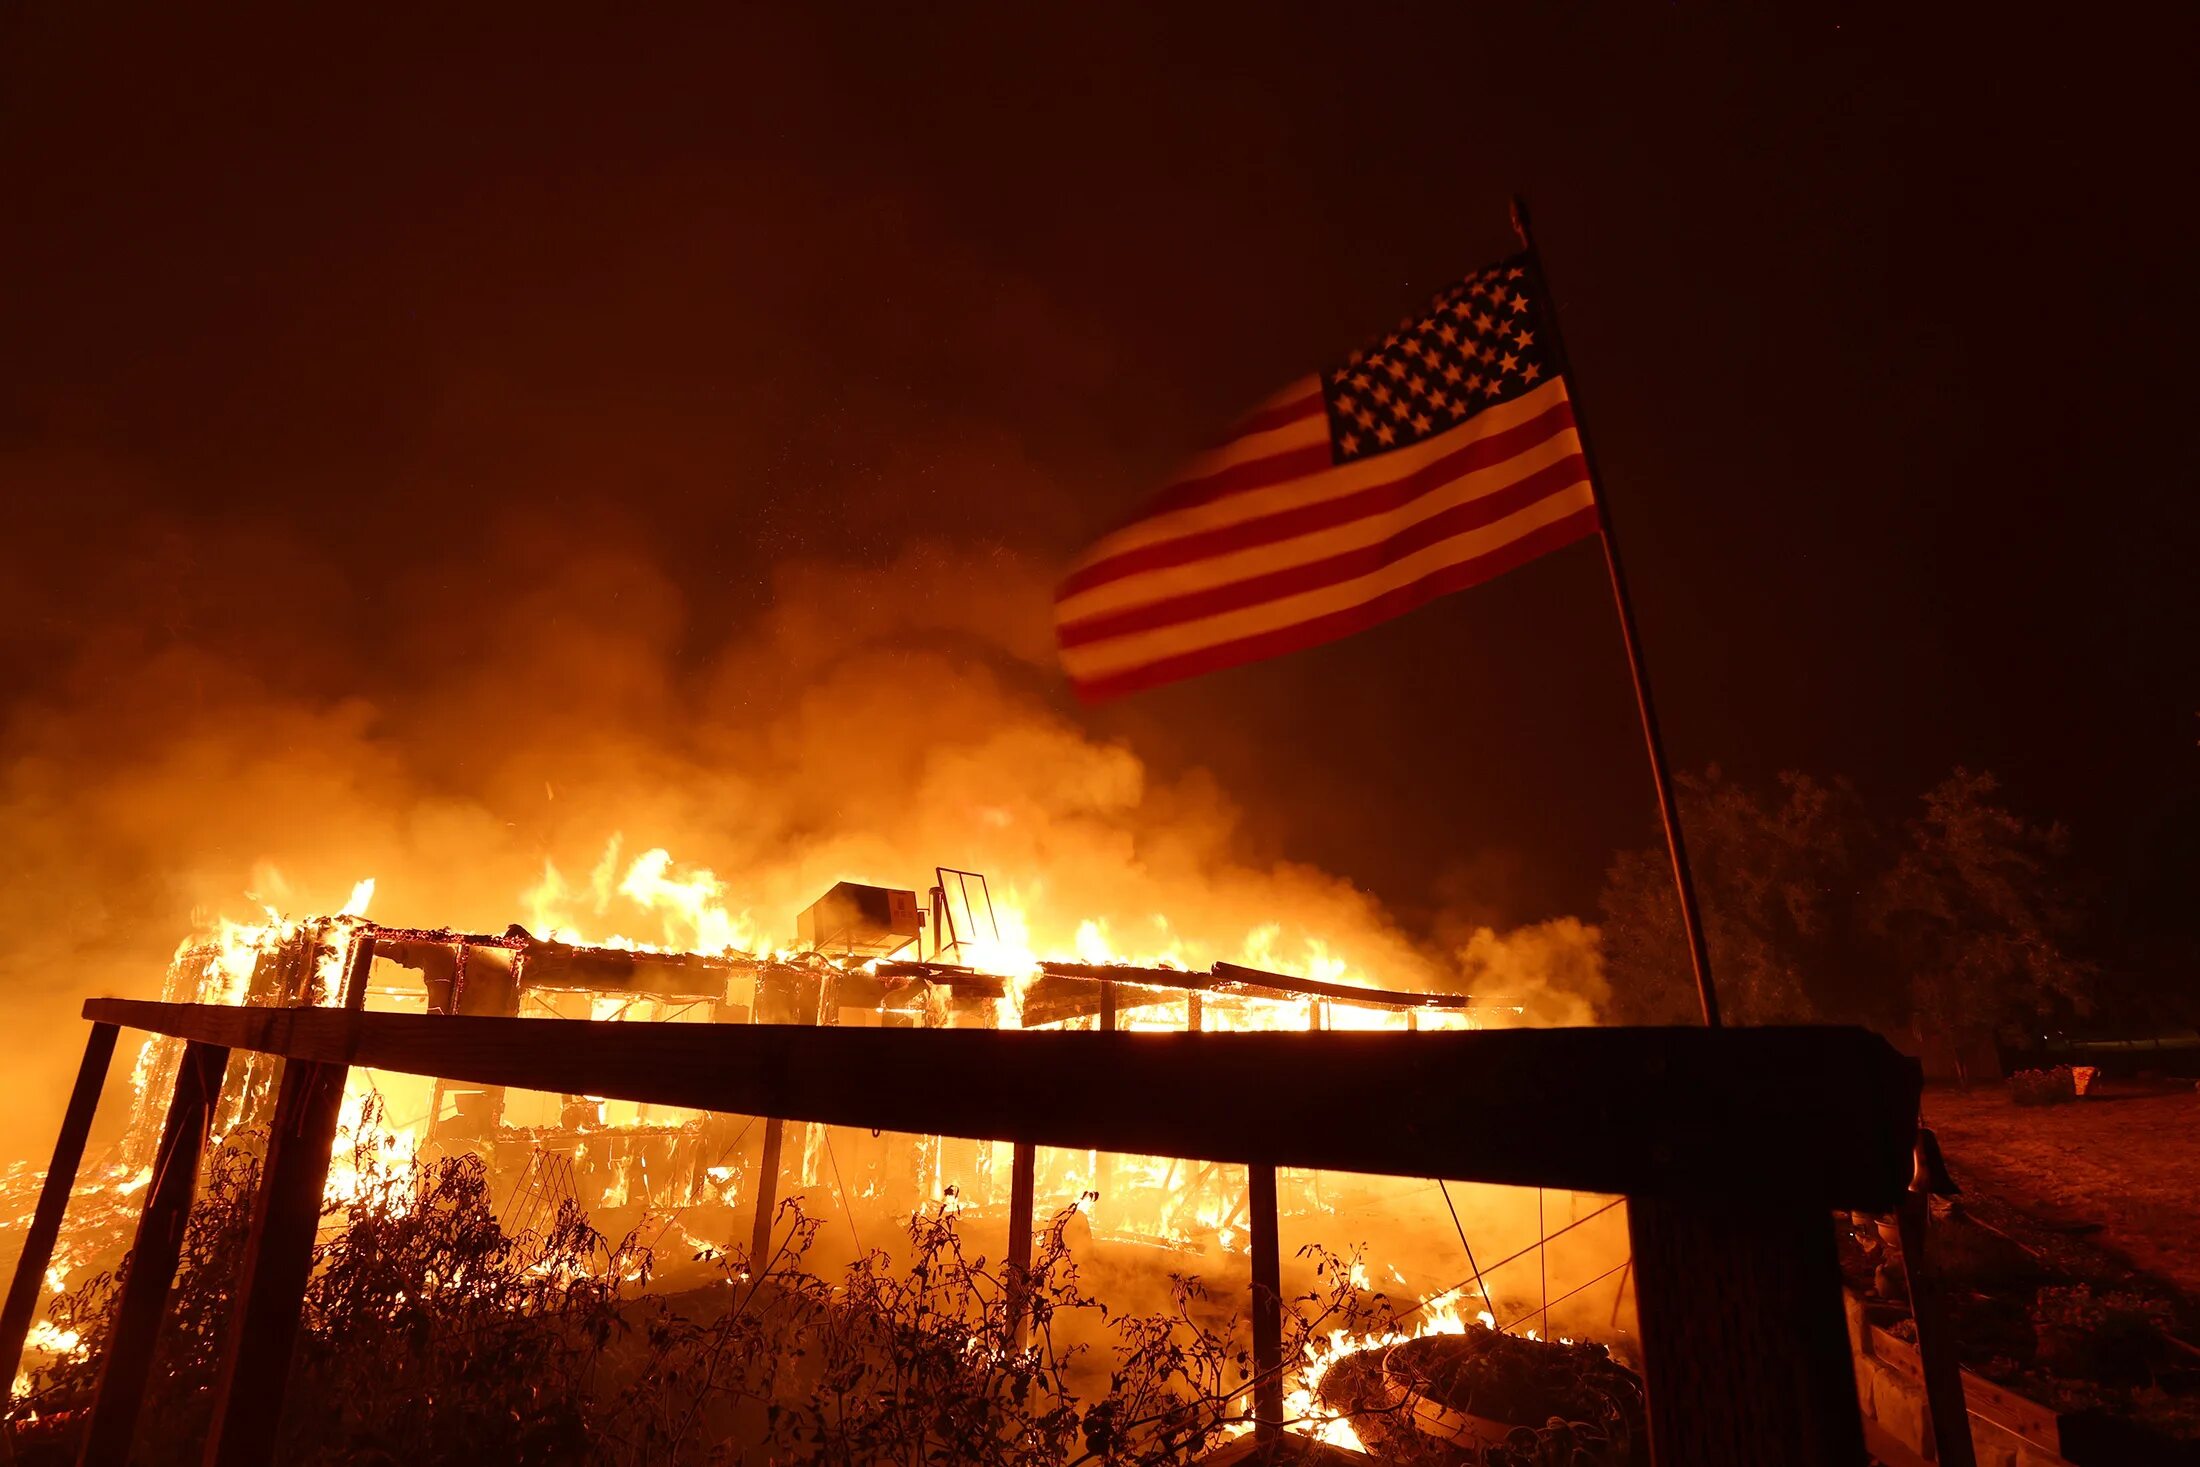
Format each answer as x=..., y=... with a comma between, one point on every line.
x=1553, y=971
x=229, y=716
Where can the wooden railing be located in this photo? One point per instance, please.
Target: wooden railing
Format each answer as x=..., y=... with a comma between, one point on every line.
x=1732, y=1147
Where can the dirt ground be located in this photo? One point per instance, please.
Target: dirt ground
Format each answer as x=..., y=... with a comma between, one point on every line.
x=2126, y=1159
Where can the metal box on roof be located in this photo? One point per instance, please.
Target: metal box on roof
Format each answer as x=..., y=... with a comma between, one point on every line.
x=870, y=921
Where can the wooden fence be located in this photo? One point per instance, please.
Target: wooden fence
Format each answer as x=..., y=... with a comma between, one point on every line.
x=1731, y=1146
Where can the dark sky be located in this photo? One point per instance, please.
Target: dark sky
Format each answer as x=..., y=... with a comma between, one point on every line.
x=1883, y=332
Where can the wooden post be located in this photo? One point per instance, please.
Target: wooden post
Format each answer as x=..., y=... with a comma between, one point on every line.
x=1936, y=1346
x=1260, y=1198
x=255, y=1370
x=152, y=1267
x=53, y=1199
x=361, y=965
x=1744, y=1341
x=767, y=1197
x=1104, y=1169
x=1022, y=1185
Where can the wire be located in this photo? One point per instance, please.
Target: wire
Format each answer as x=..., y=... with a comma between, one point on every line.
x=1543, y=1259
x=1513, y=1257
x=1485, y=1293
x=846, y=1209
x=1546, y=1309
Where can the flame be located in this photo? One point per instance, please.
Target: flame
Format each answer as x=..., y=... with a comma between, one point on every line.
x=360, y=1128
x=1438, y=1314
x=688, y=906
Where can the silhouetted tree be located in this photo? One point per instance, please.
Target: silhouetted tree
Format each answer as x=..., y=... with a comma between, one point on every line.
x=1774, y=877
x=1978, y=914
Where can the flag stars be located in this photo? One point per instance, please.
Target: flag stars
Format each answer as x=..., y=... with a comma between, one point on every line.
x=1472, y=348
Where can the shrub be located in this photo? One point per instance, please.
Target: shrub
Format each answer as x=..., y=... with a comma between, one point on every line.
x=431, y=1335
x=2043, y=1087
x=2114, y=1338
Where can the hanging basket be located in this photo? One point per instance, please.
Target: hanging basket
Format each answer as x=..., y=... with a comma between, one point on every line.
x=1510, y=1399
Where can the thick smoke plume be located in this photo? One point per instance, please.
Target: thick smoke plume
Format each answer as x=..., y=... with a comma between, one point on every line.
x=225, y=719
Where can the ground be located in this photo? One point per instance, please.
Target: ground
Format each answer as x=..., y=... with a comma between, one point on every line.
x=2126, y=1159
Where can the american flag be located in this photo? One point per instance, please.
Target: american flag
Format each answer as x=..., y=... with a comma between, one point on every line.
x=1433, y=460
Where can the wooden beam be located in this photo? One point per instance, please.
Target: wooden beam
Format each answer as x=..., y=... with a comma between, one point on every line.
x=1936, y=1343
x=53, y=1199
x=1744, y=1337
x=767, y=1196
x=1260, y=1198
x=1022, y=1199
x=151, y=1271
x=1257, y=978
x=278, y=1260
x=1103, y=1167
x=1824, y=1114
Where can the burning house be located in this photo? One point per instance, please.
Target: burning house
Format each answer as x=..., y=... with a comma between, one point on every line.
x=861, y=956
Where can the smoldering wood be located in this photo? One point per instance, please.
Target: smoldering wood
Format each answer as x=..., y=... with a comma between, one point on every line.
x=1826, y=1114
x=1225, y=979
x=1271, y=984
x=53, y=1198
x=151, y=1271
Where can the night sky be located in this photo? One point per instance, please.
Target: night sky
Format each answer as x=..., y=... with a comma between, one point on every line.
x=1883, y=335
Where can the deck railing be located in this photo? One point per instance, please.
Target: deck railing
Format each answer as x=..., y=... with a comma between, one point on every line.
x=1731, y=1146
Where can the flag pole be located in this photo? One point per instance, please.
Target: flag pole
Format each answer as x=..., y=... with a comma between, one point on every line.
x=1668, y=807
